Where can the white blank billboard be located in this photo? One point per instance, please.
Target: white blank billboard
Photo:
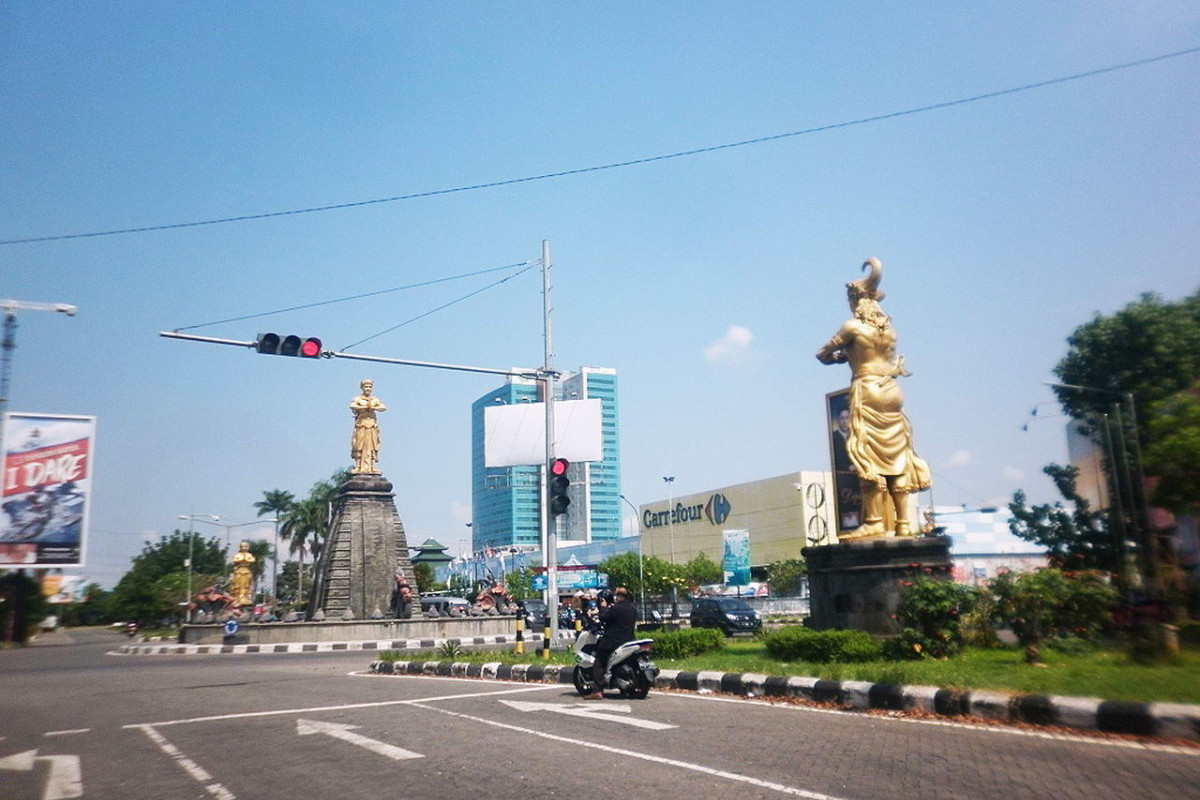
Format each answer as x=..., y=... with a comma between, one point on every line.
x=515, y=435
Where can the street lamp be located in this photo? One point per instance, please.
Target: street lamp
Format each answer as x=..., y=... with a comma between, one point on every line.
x=192, y=518
x=670, y=481
x=641, y=566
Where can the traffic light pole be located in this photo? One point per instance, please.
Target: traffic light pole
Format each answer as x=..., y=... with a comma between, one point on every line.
x=549, y=520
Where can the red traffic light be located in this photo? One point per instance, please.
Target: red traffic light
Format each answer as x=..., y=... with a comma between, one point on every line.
x=311, y=348
x=559, y=466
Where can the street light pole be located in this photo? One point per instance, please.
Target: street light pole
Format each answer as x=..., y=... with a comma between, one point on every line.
x=641, y=565
x=670, y=481
x=191, y=518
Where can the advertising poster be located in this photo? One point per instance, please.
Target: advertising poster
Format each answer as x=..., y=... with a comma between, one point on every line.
x=47, y=482
x=847, y=492
x=737, y=558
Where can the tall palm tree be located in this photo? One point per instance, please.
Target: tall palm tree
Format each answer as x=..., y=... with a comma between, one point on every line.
x=300, y=526
x=275, y=502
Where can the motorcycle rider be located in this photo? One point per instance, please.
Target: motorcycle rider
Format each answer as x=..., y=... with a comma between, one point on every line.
x=619, y=618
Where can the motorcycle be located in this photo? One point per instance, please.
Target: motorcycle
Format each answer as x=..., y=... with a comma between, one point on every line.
x=629, y=668
x=131, y=629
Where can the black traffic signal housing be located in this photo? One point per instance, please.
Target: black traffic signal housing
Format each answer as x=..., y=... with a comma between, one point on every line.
x=558, y=483
x=273, y=344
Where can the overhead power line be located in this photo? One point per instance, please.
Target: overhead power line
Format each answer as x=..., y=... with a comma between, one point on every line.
x=620, y=164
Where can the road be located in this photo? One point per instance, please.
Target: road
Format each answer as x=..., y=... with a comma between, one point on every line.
x=78, y=721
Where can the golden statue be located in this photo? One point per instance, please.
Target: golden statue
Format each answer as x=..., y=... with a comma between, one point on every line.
x=243, y=577
x=364, y=441
x=880, y=441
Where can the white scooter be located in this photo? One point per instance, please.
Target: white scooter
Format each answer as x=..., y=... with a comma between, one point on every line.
x=629, y=668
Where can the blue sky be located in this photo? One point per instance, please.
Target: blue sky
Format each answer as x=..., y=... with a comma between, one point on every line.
x=707, y=281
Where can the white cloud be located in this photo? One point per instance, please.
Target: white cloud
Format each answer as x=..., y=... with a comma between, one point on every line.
x=1014, y=474
x=730, y=348
x=959, y=458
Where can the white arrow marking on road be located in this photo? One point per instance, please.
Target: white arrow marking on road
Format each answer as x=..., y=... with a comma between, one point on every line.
x=305, y=727
x=590, y=712
x=65, y=780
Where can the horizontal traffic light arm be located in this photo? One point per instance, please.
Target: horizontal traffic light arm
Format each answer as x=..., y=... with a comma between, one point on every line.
x=253, y=344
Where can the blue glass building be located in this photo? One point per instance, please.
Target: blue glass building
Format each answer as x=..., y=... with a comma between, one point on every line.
x=505, y=501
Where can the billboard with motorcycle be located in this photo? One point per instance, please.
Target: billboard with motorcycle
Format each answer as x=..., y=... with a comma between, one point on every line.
x=46, y=477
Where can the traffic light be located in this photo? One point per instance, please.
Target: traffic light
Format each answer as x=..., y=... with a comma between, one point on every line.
x=273, y=344
x=558, y=483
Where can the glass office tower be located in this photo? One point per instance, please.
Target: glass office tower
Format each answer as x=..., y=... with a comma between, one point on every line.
x=506, y=500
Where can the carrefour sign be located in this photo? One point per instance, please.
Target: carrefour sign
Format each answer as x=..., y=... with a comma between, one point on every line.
x=716, y=511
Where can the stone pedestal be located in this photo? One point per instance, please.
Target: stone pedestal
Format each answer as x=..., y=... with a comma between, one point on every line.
x=857, y=585
x=366, y=548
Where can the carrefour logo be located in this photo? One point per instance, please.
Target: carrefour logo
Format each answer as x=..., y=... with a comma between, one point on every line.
x=716, y=511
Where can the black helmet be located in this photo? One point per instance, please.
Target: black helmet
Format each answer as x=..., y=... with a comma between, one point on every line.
x=606, y=596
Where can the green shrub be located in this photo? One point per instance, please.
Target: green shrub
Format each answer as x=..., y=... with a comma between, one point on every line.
x=796, y=643
x=1189, y=634
x=930, y=616
x=686, y=642
x=1049, y=604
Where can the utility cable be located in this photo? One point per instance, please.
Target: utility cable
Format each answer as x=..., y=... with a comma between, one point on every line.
x=524, y=264
x=528, y=266
x=620, y=164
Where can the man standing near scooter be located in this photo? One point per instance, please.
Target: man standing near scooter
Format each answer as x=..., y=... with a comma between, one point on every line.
x=619, y=618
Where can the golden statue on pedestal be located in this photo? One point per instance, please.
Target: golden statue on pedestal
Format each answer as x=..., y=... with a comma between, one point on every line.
x=364, y=441
x=880, y=440
x=243, y=576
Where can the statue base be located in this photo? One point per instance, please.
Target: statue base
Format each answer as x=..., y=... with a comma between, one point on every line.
x=857, y=584
x=366, y=548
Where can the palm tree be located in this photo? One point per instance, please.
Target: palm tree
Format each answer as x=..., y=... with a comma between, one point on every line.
x=275, y=502
x=301, y=525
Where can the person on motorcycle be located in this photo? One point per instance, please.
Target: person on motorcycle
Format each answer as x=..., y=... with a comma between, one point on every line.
x=619, y=618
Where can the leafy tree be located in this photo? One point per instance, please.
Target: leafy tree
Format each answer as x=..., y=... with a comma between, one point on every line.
x=1074, y=538
x=22, y=606
x=424, y=576
x=519, y=583
x=624, y=569
x=1174, y=450
x=702, y=570
x=136, y=597
x=275, y=502
x=290, y=592
x=787, y=577
x=930, y=616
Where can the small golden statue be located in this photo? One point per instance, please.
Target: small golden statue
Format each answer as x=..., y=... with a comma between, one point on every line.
x=243, y=576
x=880, y=440
x=364, y=441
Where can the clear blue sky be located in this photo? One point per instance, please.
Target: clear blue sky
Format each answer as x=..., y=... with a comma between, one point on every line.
x=1002, y=225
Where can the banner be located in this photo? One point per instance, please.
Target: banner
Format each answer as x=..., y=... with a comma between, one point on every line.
x=737, y=558
x=46, y=476
x=848, y=497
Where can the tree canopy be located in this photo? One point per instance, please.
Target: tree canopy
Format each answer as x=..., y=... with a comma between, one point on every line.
x=157, y=581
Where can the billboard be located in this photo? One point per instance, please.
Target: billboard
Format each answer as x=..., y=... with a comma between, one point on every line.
x=847, y=491
x=736, y=564
x=46, y=475
x=515, y=435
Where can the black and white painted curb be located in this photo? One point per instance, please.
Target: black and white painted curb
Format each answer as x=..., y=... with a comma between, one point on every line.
x=173, y=649
x=1163, y=720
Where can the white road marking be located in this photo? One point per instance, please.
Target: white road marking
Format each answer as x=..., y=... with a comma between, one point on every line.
x=314, y=709
x=197, y=772
x=592, y=712
x=670, y=762
x=64, y=781
x=337, y=730
x=66, y=733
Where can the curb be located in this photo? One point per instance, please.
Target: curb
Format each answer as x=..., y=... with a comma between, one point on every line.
x=155, y=649
x=1160, y=720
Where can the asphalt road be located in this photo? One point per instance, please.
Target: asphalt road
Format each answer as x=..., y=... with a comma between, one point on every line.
x=77, y=721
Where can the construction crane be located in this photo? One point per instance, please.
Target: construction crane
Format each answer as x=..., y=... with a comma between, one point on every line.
x=10, y=309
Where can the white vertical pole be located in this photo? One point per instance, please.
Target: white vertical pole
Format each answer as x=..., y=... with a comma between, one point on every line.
x=551, y=551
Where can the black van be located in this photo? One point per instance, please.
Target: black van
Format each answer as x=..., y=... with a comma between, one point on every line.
x=730, y=614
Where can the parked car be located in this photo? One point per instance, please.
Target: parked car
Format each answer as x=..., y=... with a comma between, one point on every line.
x=729, y=614
x=441, y=605
x=534, y=612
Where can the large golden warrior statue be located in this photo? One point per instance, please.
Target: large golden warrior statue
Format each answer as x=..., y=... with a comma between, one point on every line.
x=880, y=440
x=364, y=441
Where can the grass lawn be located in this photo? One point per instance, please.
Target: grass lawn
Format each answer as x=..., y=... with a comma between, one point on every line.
x=1107, y=673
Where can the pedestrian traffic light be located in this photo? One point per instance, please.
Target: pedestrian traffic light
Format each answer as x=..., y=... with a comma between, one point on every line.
x=273, y=344
x=558, y=483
